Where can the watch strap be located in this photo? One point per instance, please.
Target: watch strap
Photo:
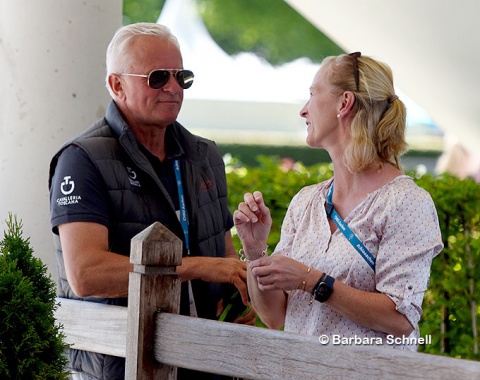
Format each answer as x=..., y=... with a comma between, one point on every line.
x=329, y=280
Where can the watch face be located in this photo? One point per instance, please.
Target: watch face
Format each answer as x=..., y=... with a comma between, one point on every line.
x=323, y=292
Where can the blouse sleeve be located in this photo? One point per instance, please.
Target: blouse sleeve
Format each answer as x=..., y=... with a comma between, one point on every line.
x=410, y=239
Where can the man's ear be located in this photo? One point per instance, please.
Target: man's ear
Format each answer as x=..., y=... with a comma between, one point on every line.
x=348, y=101
x=116, y=86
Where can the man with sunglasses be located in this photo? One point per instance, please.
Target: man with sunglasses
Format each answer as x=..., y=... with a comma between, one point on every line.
x=135, y=166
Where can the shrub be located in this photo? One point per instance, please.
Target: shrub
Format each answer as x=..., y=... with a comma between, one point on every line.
x=31, y=345
x=451, y=305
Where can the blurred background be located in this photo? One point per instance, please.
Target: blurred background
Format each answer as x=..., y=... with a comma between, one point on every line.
x=254, y=62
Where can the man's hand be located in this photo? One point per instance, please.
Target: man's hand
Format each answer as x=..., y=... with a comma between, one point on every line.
x=248, y=318
x=216, y=269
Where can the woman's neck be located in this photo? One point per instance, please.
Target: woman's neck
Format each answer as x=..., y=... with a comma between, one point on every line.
x=359, y=185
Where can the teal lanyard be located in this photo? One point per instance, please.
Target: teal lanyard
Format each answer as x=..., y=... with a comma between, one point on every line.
x=183, y=206
x=351, y=237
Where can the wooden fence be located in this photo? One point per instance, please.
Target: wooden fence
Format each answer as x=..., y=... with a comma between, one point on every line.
x=155, y=340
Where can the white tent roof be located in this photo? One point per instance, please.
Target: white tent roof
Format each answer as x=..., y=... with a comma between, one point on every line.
x=218, y=75
x=243, y=98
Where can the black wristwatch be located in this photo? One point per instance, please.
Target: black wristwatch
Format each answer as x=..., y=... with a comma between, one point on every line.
x=324, y=288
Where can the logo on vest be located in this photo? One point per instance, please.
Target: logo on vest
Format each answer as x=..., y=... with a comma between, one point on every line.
x=67, y=187
x=132, y=177
x=207, y=185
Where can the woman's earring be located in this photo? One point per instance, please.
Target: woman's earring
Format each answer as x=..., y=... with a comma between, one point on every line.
x=338, y=115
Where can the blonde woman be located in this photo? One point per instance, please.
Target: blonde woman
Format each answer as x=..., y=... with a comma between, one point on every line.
x=354, y=257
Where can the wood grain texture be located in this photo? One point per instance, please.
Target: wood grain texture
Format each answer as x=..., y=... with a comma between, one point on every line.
x=258, y=353
x=249, y=352
x=154, y=285
x=93, y=326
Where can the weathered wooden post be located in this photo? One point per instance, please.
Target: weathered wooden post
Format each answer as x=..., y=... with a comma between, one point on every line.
x=154, y=285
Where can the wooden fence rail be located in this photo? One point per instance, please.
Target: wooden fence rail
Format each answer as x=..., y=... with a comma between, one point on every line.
x=155, y=340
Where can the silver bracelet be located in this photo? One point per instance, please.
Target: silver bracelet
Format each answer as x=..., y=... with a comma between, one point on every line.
x=241, y=254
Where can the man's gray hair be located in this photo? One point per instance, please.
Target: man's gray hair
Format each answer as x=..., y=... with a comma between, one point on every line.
x=117, y=50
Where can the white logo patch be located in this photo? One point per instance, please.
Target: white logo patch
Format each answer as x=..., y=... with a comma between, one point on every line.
x=67, y=184
x=67, y=187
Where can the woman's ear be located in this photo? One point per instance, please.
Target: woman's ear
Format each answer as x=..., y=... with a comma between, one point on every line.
x=348, y=101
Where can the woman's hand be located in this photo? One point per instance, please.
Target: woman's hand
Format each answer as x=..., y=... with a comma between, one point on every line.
x=278, y=272
x=253, y=222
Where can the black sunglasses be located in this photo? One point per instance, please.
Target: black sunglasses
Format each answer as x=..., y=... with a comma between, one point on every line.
x=159, y=77
x=356, y=73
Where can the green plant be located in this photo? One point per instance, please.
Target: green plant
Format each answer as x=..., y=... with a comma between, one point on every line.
x=451, y=306
x=31, y=345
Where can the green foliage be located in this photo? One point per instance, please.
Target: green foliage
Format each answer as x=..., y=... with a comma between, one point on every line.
x=141, y=11
x=452, y=301
x=31, y=345
x=248, y=154
x=270, y=29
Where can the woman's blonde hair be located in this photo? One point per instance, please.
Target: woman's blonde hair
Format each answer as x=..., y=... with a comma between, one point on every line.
x=378, y=127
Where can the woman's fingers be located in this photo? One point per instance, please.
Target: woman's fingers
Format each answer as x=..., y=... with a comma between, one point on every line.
x=250, y=201
x=248, y=210
x=244, y=214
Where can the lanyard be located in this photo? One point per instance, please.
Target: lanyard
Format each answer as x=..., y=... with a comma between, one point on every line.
x=183, y=206
x=351, y=237
x=184, y=222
